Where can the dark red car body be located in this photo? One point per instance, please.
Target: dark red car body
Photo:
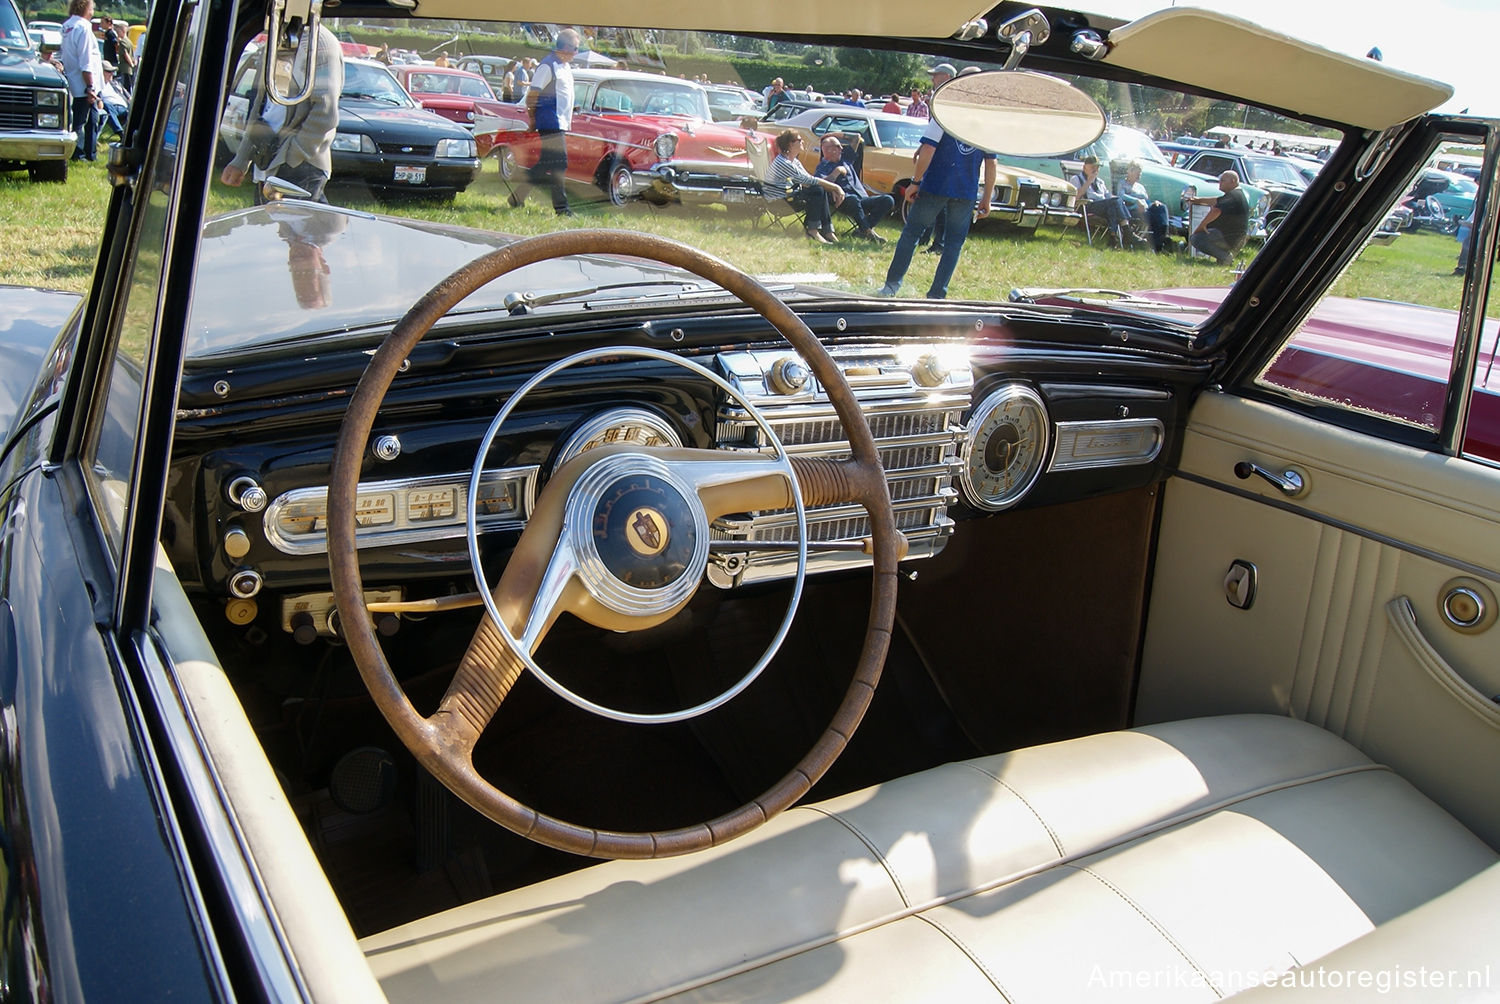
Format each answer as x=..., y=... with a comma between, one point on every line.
x=457, y=95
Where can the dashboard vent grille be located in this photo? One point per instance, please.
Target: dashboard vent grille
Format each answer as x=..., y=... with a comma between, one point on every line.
x=915, y=424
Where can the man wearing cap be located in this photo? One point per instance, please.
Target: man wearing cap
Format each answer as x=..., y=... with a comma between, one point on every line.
x=945, y=180
x=116, y=104
x=549, y=106
x=941, y=74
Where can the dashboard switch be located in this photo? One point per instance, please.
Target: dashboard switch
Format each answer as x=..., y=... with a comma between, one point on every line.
x=244, y=492
x=304, y=628
x=236, y=543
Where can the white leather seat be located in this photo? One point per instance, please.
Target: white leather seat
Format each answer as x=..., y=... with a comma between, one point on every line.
x=1176, y=862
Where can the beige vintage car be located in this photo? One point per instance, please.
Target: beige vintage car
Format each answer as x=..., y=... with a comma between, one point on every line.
x=1023, y=198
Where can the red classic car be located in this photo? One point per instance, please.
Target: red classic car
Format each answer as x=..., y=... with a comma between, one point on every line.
x=464, y=97
x=638, y=135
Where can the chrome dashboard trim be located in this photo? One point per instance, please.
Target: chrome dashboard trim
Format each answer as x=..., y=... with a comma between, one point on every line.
x=918, y=434
x=1109, y=443
x=522, y=481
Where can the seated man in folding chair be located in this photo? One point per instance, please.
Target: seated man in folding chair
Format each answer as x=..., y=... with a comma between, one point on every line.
x=1095, y=199
x=864, y=209
x=788, y=179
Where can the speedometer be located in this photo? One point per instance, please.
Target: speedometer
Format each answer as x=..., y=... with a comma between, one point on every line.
x=635, y=426
x=1006, y=446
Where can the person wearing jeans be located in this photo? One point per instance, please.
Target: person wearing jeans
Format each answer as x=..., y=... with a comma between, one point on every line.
x=945, y=179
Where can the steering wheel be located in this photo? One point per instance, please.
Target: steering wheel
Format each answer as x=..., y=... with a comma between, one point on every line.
x=535, y=587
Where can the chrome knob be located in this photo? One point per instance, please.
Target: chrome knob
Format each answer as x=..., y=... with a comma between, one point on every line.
x=244, y=583
x=930, y=371
x=387, y=448
x=788, y=376
x=246, y=493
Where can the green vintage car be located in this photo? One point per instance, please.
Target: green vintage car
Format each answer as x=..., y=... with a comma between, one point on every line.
x=1164, y=183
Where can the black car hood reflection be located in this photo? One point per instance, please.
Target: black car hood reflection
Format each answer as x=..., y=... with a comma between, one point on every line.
x=293, y=269
x=394, y=123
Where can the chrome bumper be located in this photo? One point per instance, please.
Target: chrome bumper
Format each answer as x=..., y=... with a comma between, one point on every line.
x=37, y=144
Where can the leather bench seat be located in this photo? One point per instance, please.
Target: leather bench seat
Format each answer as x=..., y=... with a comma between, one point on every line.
x=1182, y=861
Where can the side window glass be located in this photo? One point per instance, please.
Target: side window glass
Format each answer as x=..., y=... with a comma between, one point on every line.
x=1482, y=434
x=1381, y=342
x=1212, y=164
x=109, y=444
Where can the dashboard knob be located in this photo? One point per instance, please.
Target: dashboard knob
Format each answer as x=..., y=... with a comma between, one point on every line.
x=245, y=583
x=930, y=371
x=236, y=543
x=304, y=628
x=244, y=492
x=387, y=448
x=788, y=375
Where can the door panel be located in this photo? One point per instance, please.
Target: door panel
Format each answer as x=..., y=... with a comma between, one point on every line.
x=1328, y=637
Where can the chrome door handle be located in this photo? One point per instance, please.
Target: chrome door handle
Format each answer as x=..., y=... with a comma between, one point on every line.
x=1290, y=481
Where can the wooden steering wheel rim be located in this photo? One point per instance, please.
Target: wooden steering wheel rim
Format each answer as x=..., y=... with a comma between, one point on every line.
x=435, y=747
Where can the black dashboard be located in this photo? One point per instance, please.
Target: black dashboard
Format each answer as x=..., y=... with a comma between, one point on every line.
x=974, y=413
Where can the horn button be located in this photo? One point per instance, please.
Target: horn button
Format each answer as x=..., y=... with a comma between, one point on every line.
x=643, y=531
x=640, y=534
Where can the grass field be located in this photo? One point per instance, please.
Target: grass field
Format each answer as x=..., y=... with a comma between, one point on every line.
x=49, y=237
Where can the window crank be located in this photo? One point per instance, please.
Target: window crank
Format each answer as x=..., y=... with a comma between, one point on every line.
x=1290, y=481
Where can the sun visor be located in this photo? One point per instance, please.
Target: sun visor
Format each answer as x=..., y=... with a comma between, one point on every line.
x=1202, y=48
x=931, y=19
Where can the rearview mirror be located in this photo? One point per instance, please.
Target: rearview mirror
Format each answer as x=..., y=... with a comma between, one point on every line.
x=1017, y=112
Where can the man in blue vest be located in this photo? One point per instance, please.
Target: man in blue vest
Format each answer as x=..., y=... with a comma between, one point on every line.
x=549, y=106
x=946, y=178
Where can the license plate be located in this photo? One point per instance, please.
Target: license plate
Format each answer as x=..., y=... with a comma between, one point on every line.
x=734, y=195
x=411, y=175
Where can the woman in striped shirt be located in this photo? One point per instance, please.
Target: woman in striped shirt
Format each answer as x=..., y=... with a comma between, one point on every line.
x=786, y=178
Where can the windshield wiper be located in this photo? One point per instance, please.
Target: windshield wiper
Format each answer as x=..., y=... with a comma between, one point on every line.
x=524, y=302
x=1101, y=298
x=360, y=96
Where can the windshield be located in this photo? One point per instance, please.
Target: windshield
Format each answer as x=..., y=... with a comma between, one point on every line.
x=11, y=31
x=449, y=83
x=1274, y=172
x=901, y=134
x=369, y=81
x=653, y=97
x=643, y=153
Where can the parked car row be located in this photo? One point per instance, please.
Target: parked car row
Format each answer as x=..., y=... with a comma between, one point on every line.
x=385, y=139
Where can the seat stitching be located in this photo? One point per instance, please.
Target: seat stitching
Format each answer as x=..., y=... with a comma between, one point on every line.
x=772, y=958
x=972, y=956
x=1207, y=980
x=870, y=845
x=1056, y=842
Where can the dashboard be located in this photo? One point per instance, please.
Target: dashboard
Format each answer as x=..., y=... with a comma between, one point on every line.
x=971, y=419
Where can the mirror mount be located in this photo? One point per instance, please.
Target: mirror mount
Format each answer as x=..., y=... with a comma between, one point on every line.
x=1022, y=32
x=1089, y=44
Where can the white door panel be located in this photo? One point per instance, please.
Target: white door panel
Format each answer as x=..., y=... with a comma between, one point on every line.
x=1328, y=637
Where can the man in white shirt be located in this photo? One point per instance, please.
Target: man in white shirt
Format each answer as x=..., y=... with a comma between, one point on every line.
x=83, y=67
x=549, y=105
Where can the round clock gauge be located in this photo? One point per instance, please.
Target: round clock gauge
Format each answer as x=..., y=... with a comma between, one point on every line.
x=1009, y=433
